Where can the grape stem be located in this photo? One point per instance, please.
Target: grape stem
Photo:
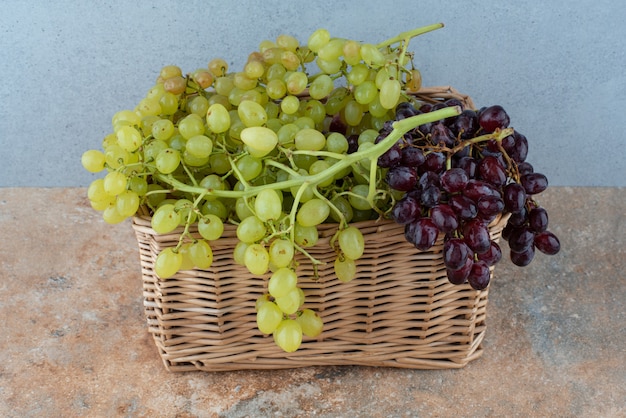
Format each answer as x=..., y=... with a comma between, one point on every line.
x=410, y=34
x=497, y=136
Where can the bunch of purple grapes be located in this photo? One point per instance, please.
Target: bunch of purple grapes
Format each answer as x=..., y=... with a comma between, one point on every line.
x=457, y=179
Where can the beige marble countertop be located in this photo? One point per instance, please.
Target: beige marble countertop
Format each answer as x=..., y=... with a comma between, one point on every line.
x=74, y=341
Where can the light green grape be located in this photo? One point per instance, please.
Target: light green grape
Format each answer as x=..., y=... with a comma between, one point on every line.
x=111, y=215
x=163, y=129
x=318, y=39
x=365, y=92
x=268, y=317
x=168, y=103
x=199, y=146
x=352, y=52
x=239, y=253
x=344, y=207
x=310, y=322
x=289, y=302
x=296, y=82
x=329, y=66
x=93, y=160
x=210, y=227
x=116, y=156
x=276, y=89
x=256, y=259
x=167, y=263
x=305, y=236
x=165, y=219
x=281, y=282
x=127, y=203
x=310, y=140
x=199, y=105
x=351, y=242
x=251, y=229
x=358, y=74
x=288, y=335
x=345, y=269
x=251, y=113
x=268, y=205
x=186, y=263
x=313, y=212
x=191, y=125
x=115, y=183
x=353, y=113
x=290, y=105
x=390, y=93
x=358, y=198
x=259, y=138
x=218, y=118
x=372, y=56
x=281, y=252
x=319, y=166
x=96, y=192
x=201, y=254
x=168, y=160
x=321, y=87
x=249, y=167
x=337, y=142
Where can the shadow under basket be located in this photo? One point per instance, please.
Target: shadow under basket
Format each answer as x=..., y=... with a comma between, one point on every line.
x=399, y=311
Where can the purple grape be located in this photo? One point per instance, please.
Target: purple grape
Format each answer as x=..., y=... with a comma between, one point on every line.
x=465, y=125
x=455, y=253
x=406, y=210
x=460, y=276
x=493, y=255
x=353, y=144
x=441, y=135
x=479, y=275
x=534, y=183
x=429, y=178
x=412, y=157
x=489, y=206
x=431, y=196
x=523, y=258
x=476, y=236
x=425, y=233
x=444, y=218
x=514, y=197
x=468, y=164
x=547, y=243
x=435, y=162
x=492, y=118
x=390, y=158
x=401, y=178
x=405, y=110
x=491, y=171
x=518, y=219
x=516, y=146
x=463, y=206
x=520, y=239
x=476, y=189
x=454, y=180
x=538, y=219
x=525, y=168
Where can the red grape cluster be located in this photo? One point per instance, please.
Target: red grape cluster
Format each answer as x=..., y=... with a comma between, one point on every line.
x=457, y=176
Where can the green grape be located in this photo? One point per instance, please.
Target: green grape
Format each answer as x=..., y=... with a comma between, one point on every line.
x=310, y=322
x=165, y=219
x=368, y=135
x=177, y=142
x=162, y=129
x=127, y=203
x=219, y=163
x=358, y=74
x=329, y=66
x=318, y=39
x=215, y=207
x=242, y=210
x=305, y=236
x=146, y=124
x=152, y=149
x=116, y=156
x=115, y=183
x=288, y=335
x=321, y=87
x=126, y=117
x=268, y=205
x=351, y=242
x=268, y=317
x=199, y=105
x=337, y=142
x=287, y=133
x=365, y=162
x=167, y=160
x=345, y=269
x=344, y=207
x=289, y=302
x=218, y=118
x=296, y=82
x=167, y=263
x=319, y=166
x=97, y=193
x=256, y=259
x=236, y=126
x=239, y=253
x=358, y=197
x=352, y=52
x=169, y=71
x=281, y=282
x=251, y=229
x=365, y=92
x=168, y=103
x=376, y=109
x=186, y=264
x=218, y=67
x=186, y=209
x=287, y=42
x=274, y=124
x=353, y=113
x=199, y=146
x=254, y=69
x=111, y=215
x=93, y=160
x=251, y=113
x=201, y=254
x=371, y=56
x=191, y=125
x=210, y=227
x=332, y=50
x=313, y=212
x=290, y=60
x=212, y=182
x=242, y=82
x=281, y=252
x=276, y=89
x=249, y=167
x=290, y=105
x=260, y=138
x=304, y=122
x=337, y=100
x=390, y=93
x=315, y=110
x=261, y=300
x=191, y=160
x=310, y=140
x=275, y=72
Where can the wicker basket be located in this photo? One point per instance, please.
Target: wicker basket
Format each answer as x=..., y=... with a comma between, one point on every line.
x=399, y=311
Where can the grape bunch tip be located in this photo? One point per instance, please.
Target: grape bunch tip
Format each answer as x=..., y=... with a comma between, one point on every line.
x=330, y=130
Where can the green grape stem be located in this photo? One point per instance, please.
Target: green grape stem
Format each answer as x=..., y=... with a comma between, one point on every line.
x=399, y=129
x=404, y=36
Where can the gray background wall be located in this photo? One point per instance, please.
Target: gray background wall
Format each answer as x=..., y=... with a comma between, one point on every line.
x=558, y=67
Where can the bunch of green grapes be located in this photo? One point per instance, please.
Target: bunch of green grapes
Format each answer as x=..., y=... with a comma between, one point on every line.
x=283, y=145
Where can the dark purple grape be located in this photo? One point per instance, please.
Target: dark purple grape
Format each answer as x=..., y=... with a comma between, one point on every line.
x=460, y=276
x=454, y=180
x=338, y=125
x=479, y=275
x=516, y=146
x=412, y=157
x=491, y=171
x=453, y=102
x=506, y=231
x=435, y=162
x=455, y=253
x=429, y=178
x=525, y=168
x=465, y=125
x=468, y=164
x=425, y=233
x=476, y=189
x=520, y=239
x=426, y=107
x=534, y=183
x=401, y=178
x=476, y=236
x=538, y=219
x=514, y=197
x=431, y=196
x=523, y=258
x=519, y=218
x=441, y=135
x=444, y=218
x=463, y=206
x=353, y=143
x=493, y=255
x=390, y=158
x=492, y=118
x=547, y=243
x=406, y=210
x=489, y=206
x=405, y=110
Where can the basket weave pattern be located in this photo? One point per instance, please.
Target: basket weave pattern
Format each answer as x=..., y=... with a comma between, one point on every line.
x=399, y=311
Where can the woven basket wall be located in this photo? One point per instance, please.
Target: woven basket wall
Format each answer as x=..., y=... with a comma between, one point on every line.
x=399, y=311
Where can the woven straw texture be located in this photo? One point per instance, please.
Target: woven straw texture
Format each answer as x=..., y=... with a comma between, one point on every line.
x=399, y=311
